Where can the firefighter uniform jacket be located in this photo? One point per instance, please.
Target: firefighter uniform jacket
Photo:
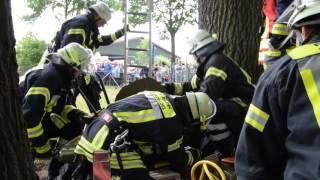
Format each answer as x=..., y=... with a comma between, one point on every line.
x=281, y=137
x=228, y=85
x=154, y=128
x=44, y=107
x=83, y=30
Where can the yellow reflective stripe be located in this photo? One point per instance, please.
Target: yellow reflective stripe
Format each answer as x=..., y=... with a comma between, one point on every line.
x=57, y=121
x=100, y=38
x=248, y=77
x=136, y=117
x=194, y=82
x=113, y=36
x=164, y=104
x=126, y=156
x=254, y=124
x=175, y=145
x=87, y=145
x=216, y=72
x=178, y=89
x=98, y=140
x=134, y=164
x=190, y=158
x=87, y=79
x=43, y=149
x=239, y=101
x=312, y=92
x=40, y=91
x=78, y=32
x=129, y=160
x=274, y=53
x=91, y=41
x=304, y=51
x=256, y=118
x=35, y=131
x=80, y=150
x=259, y=112
x=66, y=110
x=280, y=29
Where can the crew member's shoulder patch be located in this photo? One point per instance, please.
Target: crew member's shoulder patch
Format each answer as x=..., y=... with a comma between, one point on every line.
x=106, y=117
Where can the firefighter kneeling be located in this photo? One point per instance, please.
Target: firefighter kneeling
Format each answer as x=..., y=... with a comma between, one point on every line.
x=156, y=124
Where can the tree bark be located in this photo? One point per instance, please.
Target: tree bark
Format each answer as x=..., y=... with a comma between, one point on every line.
x=236, y=23
x=15, y=158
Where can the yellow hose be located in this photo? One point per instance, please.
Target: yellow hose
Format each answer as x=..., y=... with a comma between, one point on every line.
x=205, y=170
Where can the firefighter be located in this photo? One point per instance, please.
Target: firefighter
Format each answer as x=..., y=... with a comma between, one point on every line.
x=45, y=110
x=281, y=138
x=280, y=39
x=83, y=29
x=226, y=83
x=156, y=123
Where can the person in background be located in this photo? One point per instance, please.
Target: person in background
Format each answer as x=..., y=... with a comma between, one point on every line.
x=281, y=40
x=280, y=138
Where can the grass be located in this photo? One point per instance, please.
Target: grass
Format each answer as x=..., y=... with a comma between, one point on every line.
x=112, y=92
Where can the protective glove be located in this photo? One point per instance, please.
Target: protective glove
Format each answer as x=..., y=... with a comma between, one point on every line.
x=87, y=119
x=169, y=88
x=124, y=28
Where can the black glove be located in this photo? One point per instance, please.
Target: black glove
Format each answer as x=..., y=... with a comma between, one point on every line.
x=169, y=88
x=87, y=119
x=124, y=28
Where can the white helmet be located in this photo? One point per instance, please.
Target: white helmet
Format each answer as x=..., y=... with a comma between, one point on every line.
x=201, y=39
x=202, y=107
x=303, y=10
x=102, y=10
x=78, y=57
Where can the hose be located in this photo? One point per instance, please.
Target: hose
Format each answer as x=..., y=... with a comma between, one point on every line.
x=205, y=170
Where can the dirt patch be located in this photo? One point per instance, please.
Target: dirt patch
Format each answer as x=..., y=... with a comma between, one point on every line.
x=41, y=167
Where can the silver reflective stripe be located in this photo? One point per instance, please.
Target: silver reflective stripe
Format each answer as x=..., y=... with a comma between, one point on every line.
x=219, y=137
x=154, y=104
x=256, y=118
x=213, y=127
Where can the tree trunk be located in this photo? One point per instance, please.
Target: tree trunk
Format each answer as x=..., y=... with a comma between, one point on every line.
x=15, y=158
x=237, y=24
x=173, y=55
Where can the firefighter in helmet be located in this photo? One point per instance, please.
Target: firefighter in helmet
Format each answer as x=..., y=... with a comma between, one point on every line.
x=83, y=29
x=225, y=83
x=44, y=98
x=281, y=137
x=155, y=122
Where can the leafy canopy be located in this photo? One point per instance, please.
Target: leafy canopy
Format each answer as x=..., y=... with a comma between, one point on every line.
x=63, y=9
x=29, y=51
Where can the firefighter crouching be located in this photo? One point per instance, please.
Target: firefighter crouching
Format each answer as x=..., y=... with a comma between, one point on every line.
x=44, y=91
x=155, y=122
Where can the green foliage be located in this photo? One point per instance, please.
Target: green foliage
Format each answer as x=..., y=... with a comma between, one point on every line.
x=174, y=13
x=159, y=59
x=63, y=9
x=141, y=56
x=29, y=51
x=139, y=6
